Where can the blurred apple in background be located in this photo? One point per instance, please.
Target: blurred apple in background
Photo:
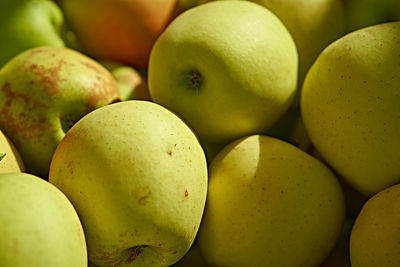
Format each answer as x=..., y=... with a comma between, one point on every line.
x=183, y=5
x=10, y=159
x=26, y=24
x=39, y=225
x=137, y=176
x=132, y=84
x=228, y=68
x=363, y=13
x=118, y=30
x=43, y=92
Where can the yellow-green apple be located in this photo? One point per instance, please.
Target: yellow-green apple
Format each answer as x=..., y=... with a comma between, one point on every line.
x=228, y=68
x=25, y=24
x=269, y=204
x=10, y=159
x=350, y=107
x=119, y=30
x=39, y=225
x=364, y=13
x=314, y=24
x=132, y=83
x=375, y=236
x=137, y=176
x=43, y=91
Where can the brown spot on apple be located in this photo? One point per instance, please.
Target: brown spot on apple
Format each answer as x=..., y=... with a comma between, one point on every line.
x=186, y=193
x=144, y=198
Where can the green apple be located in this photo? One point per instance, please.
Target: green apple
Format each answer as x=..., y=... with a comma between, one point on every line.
x=363, y=13
x=228, y=68
x=25, y=24
x=350, y=107
x=375, y=236
x=39, y=225
x=137, y=176
x=269, y=204
x=314, y=24
x=43, y=91
x=10, y=159
x=131, y=82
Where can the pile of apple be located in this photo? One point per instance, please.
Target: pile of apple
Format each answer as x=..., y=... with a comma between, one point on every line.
x=200, y=133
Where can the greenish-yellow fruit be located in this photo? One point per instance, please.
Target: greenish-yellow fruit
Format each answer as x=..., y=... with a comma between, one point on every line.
x=374, y=240
x=269, y=204
x=137, y=176
x=314, y=24
x=10, y=159
x=39, y=225
x=228, y=68
x=43, y=92
x=350, y=107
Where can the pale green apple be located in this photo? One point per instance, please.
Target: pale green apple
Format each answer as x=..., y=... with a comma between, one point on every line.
x=137, y=176
x=39, y=225
x=314, y=24
x=43, y=91
x=25, y=24
x=228, y=68
x=350, y=107
x=10, y=159
x=375, y=236
x=269, y=204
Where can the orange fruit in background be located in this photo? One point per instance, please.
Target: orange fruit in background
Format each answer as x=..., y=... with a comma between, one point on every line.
x=119, y=30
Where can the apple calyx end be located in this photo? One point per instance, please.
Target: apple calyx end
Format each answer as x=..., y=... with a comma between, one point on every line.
x=193, y=80
x=134, y=252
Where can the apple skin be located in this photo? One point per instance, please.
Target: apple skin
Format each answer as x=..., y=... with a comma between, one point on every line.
x=234, y=75
x=118, y=30
x=350, y=107
x=314, y=24
x=269, y=204
x=39, y=225
x=43, y=91
x=137, y=176
x=25, y=24
x=10, y=159
x=374, y=239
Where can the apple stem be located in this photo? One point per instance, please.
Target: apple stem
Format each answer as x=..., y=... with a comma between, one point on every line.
x=2, y=155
